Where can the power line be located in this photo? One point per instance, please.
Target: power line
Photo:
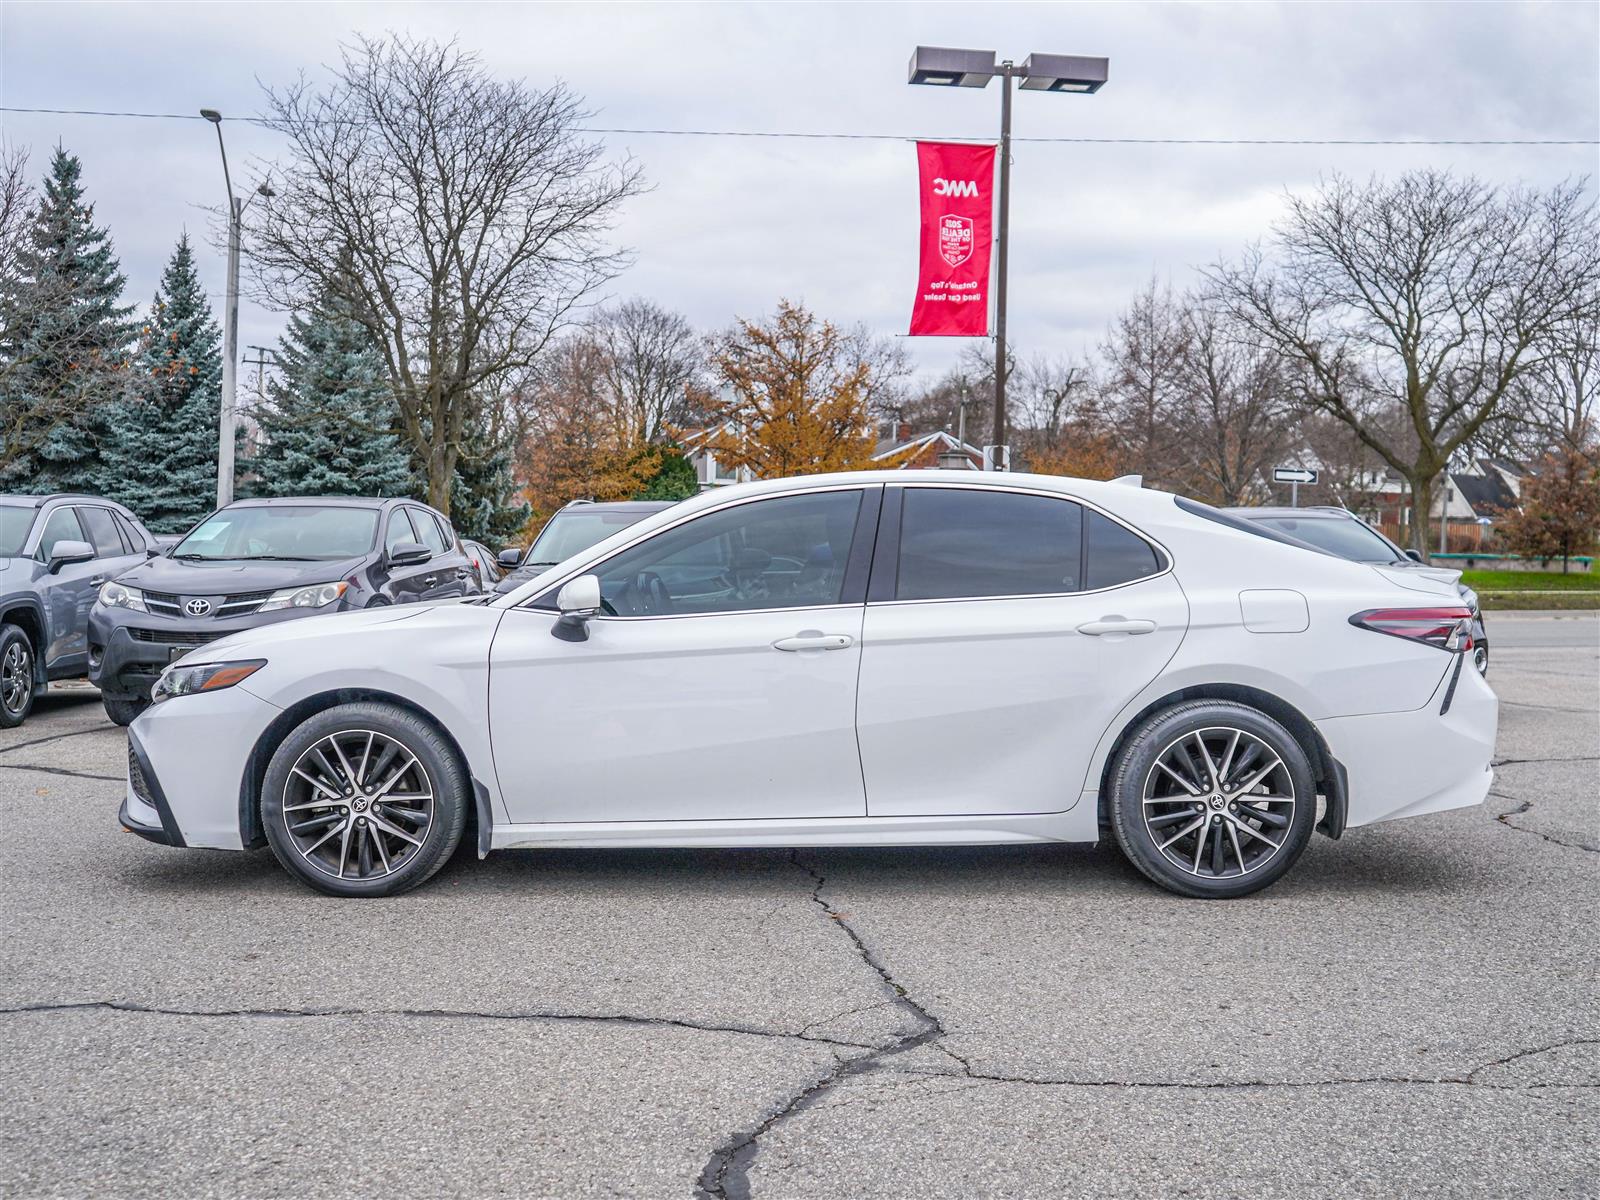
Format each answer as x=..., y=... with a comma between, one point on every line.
x=905, y=137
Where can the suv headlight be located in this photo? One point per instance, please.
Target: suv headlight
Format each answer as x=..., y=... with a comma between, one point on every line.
x=118, y=595
x=203, y=677
x=313, y=595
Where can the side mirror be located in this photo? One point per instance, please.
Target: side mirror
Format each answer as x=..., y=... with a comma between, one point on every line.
x=406, y=554
x=578, y=600
x=509, y=558
x=1414, y=555
x=64, y=552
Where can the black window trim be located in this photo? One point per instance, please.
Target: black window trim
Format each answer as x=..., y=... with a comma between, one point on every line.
x=858, y=567
x=886, y=566
x=43, y=521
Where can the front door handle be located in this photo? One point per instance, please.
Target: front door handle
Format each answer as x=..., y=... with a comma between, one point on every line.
x=815, y=641
x=1117, y=625
x=97, y=581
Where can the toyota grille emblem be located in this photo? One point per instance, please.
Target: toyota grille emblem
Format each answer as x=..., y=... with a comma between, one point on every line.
x=198, y=607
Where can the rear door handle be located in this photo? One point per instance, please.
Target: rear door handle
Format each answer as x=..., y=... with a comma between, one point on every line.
x=815, y=641
x=1117, y=625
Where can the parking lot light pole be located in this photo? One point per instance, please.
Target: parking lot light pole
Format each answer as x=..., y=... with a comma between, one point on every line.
x=227, y=414
x=938, y=66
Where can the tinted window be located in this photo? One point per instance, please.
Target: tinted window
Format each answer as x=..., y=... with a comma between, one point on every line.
x=102, y=532
x=428, y=530
x=1344, y=536
x=961, y=542
x=294, y=532
x=1115, y=555
x=783, y=553
x=399, y=530
x=62, y=526
x=15, y=521
x=131, y=536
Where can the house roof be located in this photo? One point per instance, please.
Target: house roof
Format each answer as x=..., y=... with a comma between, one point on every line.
x=1486, y=493
x=913, y=450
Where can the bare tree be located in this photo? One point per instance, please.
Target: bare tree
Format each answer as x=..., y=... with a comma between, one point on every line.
x=1561, y=394
x=654, y=364
x=16, y=200
x=464, y=216
x=1144, y=363
x=1428, y=293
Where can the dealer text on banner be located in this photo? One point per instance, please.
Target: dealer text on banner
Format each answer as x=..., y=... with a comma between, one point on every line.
x=956, y=183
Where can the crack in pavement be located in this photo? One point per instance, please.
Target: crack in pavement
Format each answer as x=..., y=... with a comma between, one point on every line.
x=54, y=737
x=726, y=1175
x=1513, y=762
x=61, y=771
x=1522, y=807
x=128, y=1006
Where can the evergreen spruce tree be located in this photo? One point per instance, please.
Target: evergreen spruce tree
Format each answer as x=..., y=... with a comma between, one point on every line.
x=64, y=341
x=330, y=429
x=485, y=501
x=161, y=444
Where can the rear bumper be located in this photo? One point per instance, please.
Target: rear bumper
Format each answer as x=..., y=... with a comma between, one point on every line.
x=1406, y=764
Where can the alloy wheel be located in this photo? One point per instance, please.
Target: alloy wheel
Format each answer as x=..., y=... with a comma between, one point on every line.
x=1218, y=803
x=16, y=677
x=358, y=804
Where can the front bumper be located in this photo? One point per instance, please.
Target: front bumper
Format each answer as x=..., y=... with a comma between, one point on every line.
x=129, y=650
x=186, y=765
x=1405, y=764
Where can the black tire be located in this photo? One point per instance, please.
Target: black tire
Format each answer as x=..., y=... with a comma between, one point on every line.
x=448, y=785
x=1135, y=768
x=17, y=668
x=123, y=710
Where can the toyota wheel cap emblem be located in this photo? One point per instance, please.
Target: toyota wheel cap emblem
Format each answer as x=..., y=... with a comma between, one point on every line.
x=197, y=607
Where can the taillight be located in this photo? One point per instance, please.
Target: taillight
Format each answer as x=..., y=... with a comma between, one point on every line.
x=1446, y=628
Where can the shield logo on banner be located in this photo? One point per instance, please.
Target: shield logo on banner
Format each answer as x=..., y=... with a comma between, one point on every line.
x=955, y=239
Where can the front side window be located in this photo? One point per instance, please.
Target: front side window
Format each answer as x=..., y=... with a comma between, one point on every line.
x=964, y=543
x=286, y=532
x=428, y=530
x=787, y=552
x=399, y=531
x=61, y=526
x=102, y=529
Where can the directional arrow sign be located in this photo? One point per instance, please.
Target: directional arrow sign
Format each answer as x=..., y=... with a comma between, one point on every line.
x=1294, y=475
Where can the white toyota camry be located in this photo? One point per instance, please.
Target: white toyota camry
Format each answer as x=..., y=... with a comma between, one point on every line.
x=888, y=658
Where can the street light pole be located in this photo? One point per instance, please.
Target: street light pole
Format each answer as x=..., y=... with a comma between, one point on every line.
x=1002, y=237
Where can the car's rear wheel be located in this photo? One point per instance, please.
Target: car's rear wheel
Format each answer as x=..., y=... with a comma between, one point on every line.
x=1212, y=799
x=364, y=799
x=123, y=710
x=16, y=676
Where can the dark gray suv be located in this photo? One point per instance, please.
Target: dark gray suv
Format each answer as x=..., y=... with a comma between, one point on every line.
x=257, y=562
x=55, y=553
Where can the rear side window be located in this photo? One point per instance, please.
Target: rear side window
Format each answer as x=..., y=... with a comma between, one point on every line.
x=1115, y=555
x=134, y=539
x=961, y=542
x=61, y=526
x=102, y=531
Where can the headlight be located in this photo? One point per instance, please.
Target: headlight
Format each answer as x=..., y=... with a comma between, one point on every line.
x=117, y=595
x=1468, y=595
x=313, y=595
x=203, y=677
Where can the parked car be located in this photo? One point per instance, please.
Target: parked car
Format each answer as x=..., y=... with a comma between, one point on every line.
x=573, y=529
x=880, y=658
x=483, y=562
x=1339, y=531
x=55, y=552
x=260, y=562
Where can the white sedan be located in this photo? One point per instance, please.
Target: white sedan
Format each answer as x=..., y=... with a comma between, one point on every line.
x=905, y=658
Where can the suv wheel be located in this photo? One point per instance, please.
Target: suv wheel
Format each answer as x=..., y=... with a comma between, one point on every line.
x=16, y=676
x=1212, y=799
x=123, y=710
x=364, y=800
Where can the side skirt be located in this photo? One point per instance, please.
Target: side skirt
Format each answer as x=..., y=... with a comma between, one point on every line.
x=986, y=830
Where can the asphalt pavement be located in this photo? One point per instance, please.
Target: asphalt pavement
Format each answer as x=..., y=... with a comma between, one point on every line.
x=1414, y=1010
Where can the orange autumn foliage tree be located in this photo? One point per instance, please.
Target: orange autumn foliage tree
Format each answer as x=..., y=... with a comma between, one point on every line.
x=795, y=397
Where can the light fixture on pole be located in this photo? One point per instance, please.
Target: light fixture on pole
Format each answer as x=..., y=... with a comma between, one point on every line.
x=940, y=66
x=228, y=409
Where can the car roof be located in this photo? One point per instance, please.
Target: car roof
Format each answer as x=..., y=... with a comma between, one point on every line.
x=1323, y=511
x=41, y=500
x=332, y=501
x=638, y=506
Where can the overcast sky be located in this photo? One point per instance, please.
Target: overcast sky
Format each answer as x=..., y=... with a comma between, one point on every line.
x=732, y=224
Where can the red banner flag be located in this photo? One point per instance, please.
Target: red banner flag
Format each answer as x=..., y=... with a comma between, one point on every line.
x=956, y=183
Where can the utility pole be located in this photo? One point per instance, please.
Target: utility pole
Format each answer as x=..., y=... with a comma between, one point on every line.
x=1002, y=238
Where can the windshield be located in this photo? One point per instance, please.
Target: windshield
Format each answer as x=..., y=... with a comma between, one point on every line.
x=1346, y=537
x=15, y=521
x=295, y=532
x=572, y=531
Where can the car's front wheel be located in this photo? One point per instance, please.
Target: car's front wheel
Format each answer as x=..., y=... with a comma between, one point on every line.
x=123, y=710
x=16, y=676
x=1212, y=799
x=364, y=799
